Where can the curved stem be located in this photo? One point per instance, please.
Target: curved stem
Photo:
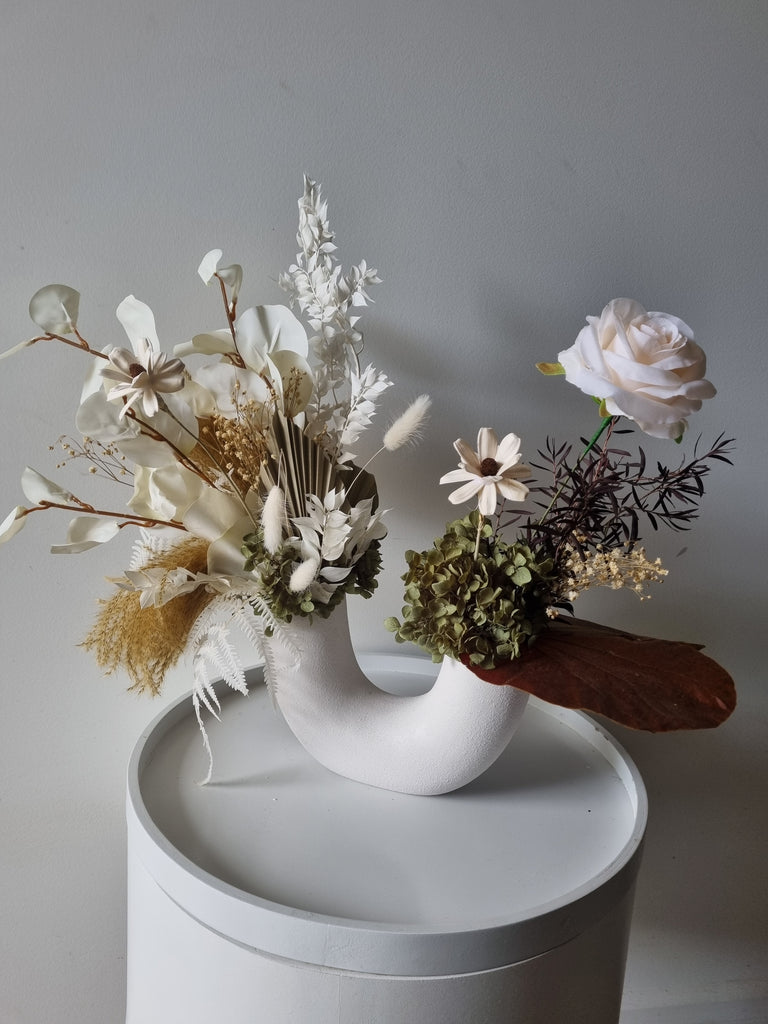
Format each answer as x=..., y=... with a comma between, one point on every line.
x=84, y=508
x=230, y=313
x=80, y=344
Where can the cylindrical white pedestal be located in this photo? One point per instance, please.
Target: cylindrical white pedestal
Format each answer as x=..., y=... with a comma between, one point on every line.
x=284, y=893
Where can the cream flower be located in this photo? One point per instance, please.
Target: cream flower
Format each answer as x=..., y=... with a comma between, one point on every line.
x=491, y=472
x=645, y=366
x=145, y=372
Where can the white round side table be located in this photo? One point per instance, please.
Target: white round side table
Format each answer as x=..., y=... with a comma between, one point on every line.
x=281, y=892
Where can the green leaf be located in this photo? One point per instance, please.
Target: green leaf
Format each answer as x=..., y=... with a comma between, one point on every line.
x=551, y=369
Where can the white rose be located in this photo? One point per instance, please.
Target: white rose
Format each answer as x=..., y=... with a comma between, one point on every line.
x=645, y=366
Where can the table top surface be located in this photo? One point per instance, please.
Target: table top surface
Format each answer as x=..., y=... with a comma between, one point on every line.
x=561, y=810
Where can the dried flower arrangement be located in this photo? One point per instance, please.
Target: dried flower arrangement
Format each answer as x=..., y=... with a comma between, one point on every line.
x=253, y=506
x=497, y=606
x=240, y=455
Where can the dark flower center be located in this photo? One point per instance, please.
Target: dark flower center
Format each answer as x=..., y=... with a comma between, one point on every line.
x=489, y=467
x=135, y=369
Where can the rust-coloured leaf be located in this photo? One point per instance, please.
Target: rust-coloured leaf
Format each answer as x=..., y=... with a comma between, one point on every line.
x=637, y=681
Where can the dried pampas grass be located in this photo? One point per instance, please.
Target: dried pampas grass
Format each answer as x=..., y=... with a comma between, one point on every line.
x=146, y=642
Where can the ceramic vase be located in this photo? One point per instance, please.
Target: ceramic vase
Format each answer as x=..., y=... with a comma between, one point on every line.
x=427, y=744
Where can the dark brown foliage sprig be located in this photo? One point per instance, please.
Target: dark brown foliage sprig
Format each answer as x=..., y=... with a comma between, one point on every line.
x=603, y=497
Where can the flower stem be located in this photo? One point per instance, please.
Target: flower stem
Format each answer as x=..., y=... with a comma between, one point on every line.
x=606, y=422
x=480, y=521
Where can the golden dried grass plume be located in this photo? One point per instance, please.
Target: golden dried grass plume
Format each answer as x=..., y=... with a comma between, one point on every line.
x=146, y=642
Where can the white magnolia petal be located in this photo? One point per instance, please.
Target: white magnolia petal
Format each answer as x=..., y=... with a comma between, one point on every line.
x=208, y=264
x=54, y=308
x=223, y=382
x=199, y=399
x=94, y=377
x=13, y=522
x=232, y=276
x=181, y=427
x=145, y=451
x=296, y=380
x=38, y=488
x=212, y=515
x=179, y=430
x=267, y=329
x=165, y=492
x=225, y=555
x=138, y=322
x=252, y=343
x=86, y=532
x=99, y=419
x=209, y=344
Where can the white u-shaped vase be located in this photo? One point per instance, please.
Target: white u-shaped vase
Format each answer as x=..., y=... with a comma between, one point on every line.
x=427, y=744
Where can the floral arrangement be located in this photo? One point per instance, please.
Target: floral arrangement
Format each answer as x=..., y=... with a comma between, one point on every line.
x=239, y=456
x=497, y=605
x=253, y=506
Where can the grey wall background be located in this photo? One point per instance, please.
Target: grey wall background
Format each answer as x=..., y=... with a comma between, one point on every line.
x=509, y=166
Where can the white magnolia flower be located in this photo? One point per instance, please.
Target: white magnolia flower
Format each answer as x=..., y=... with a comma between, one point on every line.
x=645, y=366
x=145, y=372
x=274, y=346
x=491, y=472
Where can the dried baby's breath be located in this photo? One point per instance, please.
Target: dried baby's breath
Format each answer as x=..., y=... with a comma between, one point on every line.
x=616, y=568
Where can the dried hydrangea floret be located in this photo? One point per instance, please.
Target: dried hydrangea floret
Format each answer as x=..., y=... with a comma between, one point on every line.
x=485, y=605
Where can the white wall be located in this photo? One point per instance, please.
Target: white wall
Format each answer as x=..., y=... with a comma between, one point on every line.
x=509, y=166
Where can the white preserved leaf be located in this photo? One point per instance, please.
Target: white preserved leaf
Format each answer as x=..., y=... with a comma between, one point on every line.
x=13, y=522
x=208, y=264
x=208, y=344
x=86, y=532
x=55, y=308
x=39, y=488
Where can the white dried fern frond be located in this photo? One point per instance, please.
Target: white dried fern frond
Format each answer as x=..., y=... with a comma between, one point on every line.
x=213, y=654
x=149, y=544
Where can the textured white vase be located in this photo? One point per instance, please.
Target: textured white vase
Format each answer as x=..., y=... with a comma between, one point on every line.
x=428, y=744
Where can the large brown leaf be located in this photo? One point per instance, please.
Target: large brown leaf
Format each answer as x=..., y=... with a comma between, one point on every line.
x=638, y=681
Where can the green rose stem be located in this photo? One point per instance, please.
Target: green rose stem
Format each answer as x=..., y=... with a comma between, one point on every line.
x=607, y=422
